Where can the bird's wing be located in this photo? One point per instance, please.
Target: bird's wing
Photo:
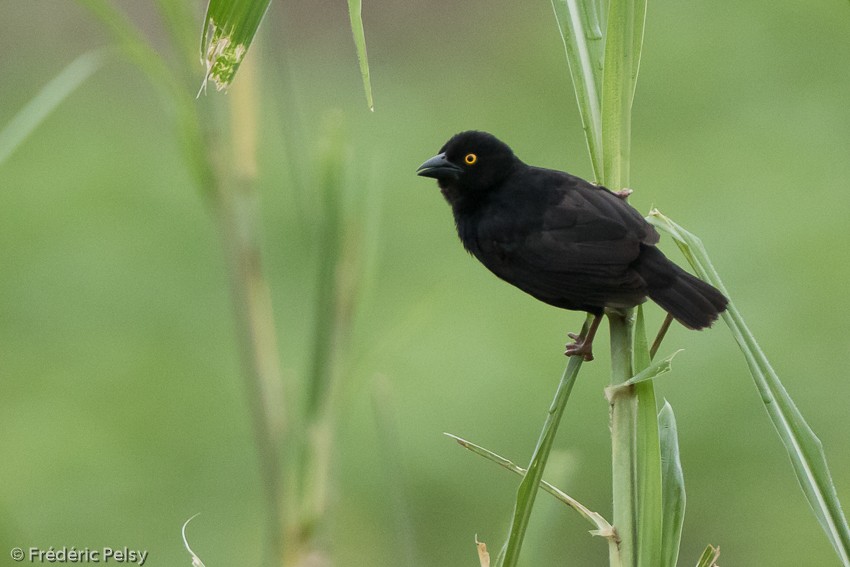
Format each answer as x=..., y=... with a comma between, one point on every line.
x=580, y=244
x=588, y=226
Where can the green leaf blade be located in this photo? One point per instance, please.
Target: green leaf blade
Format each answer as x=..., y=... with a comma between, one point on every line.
x=355, y=15
x=580, y=31
x=623, y=41
x=649, y=524
x=648, y=452
x=672, y=487
x=229, y=29
x=802, y=445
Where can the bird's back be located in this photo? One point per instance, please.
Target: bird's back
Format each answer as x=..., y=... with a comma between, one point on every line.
x=559, y=238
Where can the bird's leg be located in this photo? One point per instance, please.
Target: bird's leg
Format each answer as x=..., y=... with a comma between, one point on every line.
x=660, y=336
x=583, y=346
x=624, y=193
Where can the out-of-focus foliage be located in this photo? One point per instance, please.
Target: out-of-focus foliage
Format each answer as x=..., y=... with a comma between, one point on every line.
x=121, y=412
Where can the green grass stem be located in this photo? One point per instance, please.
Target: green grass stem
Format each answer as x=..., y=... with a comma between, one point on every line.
x=623, y=439
x=603, y=44
x=634, y=436
x=237, y=206
x=530, y=484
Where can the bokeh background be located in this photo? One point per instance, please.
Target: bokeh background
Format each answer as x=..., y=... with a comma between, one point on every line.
x=122, y=411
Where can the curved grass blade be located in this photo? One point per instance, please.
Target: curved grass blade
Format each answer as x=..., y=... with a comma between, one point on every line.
x=229, y=29
x=803, y=447
x=672, y=487
x=354, y=14
x=48, y=98
x=196, y=561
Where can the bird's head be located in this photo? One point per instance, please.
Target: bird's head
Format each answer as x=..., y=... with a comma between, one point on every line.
x=469, y=165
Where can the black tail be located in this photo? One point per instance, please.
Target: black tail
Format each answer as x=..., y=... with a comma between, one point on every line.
x=692, y=302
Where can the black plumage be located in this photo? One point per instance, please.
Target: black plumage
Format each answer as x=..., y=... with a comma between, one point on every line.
x=561, y=239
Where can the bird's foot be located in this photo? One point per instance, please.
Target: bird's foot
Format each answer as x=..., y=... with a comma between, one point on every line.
x=581, y=347
x=623, y=193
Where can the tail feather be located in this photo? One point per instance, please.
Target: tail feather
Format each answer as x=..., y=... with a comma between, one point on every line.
x=691, y=301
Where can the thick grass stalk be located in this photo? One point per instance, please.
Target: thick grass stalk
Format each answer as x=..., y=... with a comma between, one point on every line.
x=603, y=43
x=634, y=436
x=802, y=445
x=238, y=210
x=623, y=441
x=224, y=171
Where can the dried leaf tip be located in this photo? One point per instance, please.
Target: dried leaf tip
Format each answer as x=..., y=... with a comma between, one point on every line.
x=483, y=554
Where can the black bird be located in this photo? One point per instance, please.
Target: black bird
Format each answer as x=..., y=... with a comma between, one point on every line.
x=561, y=239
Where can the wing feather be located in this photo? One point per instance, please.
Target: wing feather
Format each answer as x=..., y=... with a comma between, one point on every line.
x=578, y=255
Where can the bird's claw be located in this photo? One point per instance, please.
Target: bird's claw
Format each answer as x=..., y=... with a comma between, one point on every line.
x=623, y=193
x=579, y=348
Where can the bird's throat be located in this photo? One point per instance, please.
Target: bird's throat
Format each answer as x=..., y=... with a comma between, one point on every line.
x=464, y=199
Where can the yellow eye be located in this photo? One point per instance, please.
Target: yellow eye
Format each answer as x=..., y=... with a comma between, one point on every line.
x=470, y=159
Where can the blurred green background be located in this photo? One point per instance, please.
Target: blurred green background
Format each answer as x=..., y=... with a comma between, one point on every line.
x=122, y=411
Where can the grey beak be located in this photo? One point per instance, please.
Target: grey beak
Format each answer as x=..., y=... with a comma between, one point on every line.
x=439, y=167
